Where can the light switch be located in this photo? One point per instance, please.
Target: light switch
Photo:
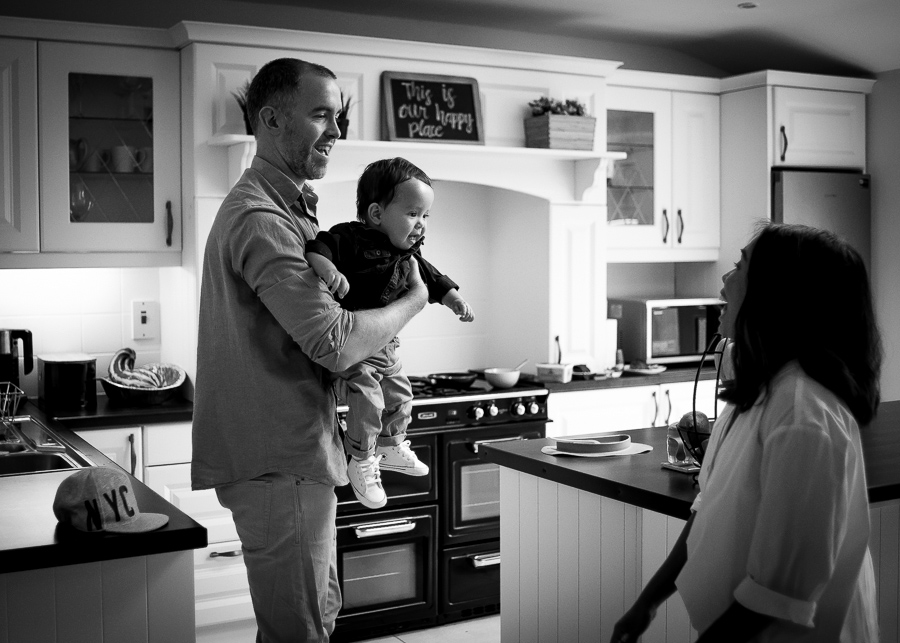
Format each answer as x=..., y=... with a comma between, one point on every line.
x=144, y=319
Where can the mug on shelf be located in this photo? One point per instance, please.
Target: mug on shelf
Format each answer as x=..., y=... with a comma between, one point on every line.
x=144, y=159
x=96, y=161
x=123, y=158
x=77, y=152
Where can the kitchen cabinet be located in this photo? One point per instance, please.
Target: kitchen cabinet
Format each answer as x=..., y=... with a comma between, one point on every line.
x=109, y=154
x=122, y=445
x=18, y=146
x=818, y=128
x=625, y=408
x=221, y=591
x=663, y=199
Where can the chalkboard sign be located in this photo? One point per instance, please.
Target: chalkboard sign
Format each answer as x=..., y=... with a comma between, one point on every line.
x=429, y=108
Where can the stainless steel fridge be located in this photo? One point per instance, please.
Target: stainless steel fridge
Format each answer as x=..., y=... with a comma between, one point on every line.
x=832, y=200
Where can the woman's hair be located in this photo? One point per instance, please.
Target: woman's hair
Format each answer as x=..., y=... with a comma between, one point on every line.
x=378, y=181
x=808, y=299
x=277, y=84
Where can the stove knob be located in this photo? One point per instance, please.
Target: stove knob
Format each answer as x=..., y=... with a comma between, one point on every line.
x=492, y=410
x=476, y=412
x=518, y=409
x=533, y=408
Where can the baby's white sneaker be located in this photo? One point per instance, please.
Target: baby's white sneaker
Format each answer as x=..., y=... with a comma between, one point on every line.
x=365, y=478
x=402, y=459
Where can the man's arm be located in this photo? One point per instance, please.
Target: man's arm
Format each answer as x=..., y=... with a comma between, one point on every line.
x=373, y=329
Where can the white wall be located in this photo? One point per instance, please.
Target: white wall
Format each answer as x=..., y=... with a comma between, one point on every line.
x=87, y=310
x=884, y=165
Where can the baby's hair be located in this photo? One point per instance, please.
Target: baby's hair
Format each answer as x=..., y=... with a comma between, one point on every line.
x=379, y=180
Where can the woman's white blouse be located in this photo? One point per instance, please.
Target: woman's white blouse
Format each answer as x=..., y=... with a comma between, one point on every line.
x=782, y=520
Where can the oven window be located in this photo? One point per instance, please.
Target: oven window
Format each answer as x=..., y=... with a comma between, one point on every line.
x=379, y=575
x=479, y=492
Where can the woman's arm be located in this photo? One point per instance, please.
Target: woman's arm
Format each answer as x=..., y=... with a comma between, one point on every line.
x=637, y=619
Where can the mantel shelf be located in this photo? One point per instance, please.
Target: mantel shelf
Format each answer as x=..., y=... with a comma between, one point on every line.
x=486, y=162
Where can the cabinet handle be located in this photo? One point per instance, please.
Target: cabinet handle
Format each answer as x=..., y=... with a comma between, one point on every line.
x=133, y=454
x=669, y=400
x=784, y=142
x=680, y=225
x=225, y=554
x=170, y=223
x=655, y=408
x=666, y=221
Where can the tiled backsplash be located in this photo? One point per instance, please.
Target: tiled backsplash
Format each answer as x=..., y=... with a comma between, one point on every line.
x=83, y=310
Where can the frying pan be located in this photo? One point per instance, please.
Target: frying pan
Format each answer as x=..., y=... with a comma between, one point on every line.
x=452, y=380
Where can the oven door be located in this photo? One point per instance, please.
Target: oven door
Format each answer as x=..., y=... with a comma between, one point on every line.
x=470, y=487
x=386, y=568
x=401, y=489
x=470, y=581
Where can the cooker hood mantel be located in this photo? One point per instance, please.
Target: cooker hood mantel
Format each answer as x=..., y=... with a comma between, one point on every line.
x=558, y=176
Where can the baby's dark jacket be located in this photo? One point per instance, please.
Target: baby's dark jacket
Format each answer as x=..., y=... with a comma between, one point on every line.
x=374, y=267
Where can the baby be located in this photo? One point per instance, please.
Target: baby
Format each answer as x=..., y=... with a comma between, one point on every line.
x=363, y=263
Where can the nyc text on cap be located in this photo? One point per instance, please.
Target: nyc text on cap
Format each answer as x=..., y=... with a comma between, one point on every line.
x=98, y=499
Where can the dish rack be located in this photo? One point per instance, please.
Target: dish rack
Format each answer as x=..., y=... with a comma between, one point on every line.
x=10, y=398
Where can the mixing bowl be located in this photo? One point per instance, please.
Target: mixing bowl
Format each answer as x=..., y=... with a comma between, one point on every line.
x=501, y=377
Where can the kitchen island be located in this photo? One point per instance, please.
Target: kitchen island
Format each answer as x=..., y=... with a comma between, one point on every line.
x=60, y=584
x=581, y=536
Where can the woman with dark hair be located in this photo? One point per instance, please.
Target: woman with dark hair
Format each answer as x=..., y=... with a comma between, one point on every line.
x=776, y=548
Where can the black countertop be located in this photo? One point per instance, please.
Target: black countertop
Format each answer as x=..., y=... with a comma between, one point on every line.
x=31, y=537
x=108, y=414
x=674, y=373
x=639, y=479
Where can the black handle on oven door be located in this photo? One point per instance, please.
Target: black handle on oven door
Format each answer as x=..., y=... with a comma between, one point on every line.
x=234, y=553
x=475, y=445
x=382, y=528
x=133, y=454
x=484, y=560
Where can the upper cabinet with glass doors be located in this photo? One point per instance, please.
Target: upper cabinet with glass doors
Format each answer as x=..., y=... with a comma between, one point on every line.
x=663, y=199
x=110, y=149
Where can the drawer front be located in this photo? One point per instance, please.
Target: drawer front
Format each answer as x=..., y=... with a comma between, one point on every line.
x=173, y=482
x=167, y=443
x=220, y=584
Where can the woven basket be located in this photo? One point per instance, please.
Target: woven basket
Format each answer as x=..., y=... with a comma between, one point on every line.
x=559, y=131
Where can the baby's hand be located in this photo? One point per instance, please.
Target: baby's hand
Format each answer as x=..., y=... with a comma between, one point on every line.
x=463, y=310
x=336, y=282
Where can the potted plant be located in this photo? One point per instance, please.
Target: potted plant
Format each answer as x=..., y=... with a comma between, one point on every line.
x=559, y=124
x=241, y=97
x=343, y=119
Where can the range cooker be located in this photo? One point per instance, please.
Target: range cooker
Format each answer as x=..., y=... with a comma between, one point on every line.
x=432, y=554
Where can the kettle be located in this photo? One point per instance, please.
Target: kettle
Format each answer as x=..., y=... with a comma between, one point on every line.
x=9, y=354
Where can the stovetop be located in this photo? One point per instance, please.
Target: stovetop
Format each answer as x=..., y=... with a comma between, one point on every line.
x=425, y=392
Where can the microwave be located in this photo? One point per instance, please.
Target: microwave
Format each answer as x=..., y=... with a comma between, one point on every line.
x=665, y=331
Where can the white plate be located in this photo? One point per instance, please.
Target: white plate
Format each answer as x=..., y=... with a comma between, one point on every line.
x=645, y=371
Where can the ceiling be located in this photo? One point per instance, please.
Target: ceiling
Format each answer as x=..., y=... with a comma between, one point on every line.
x=844, y=37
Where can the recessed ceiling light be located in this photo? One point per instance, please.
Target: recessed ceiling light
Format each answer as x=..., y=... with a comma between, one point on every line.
x=747, y=5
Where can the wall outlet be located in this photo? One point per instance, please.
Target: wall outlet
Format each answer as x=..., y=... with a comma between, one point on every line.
x=144, y=319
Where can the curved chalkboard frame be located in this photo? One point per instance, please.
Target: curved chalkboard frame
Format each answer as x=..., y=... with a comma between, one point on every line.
x=409, y=113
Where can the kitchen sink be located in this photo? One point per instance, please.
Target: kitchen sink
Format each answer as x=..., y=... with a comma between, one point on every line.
x=29, y=462
x=27, y=446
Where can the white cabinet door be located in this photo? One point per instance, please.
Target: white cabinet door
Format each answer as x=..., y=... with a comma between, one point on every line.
x=167, y=443
x=822, y=128
x=639, y=189
x=18, y=146
x=221, y=588
x=604, y=410
x=121, y=445
x=695, y=170
x=110, y=152
x=173, y=482
x=679, y=399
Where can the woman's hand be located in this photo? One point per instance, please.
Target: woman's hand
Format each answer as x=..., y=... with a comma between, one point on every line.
x=632, y=624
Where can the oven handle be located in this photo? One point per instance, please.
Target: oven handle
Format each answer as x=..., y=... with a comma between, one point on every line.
x=484, y=560
x=475, y=445
x=384, y=528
